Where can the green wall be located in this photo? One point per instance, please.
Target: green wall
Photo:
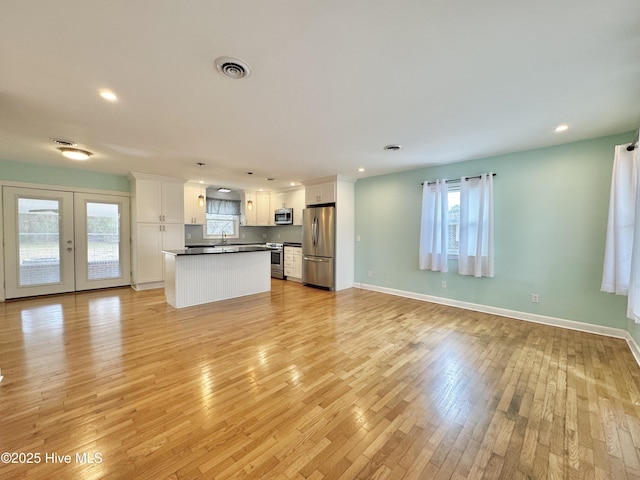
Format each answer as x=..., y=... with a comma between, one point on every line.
x=550, y=208
x=66, y=177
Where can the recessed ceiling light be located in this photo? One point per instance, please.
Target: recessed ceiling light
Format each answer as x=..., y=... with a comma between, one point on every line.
x=224, y=190
x=75, y=153
x=108, y=95
x=561, y=128
x=393, y=147
x=292, y=184
x=361, y=169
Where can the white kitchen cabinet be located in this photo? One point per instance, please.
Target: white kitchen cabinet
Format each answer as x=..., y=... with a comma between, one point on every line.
x=264, y=204
x=152, y=239
x=295, y=200
x=249, y=209
x=289, y=199
x=158, y=201
x=194, y=214
x=320, y=193
x=293, y=263
x=158, y=224
x=264, y=214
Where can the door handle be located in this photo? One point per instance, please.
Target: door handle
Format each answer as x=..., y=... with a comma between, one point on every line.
x=69, y=249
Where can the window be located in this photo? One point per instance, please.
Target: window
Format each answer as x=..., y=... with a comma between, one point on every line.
x=453, y=238
x=223, y=217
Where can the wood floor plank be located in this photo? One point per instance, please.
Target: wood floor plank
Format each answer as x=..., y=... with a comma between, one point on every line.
x=300, y=383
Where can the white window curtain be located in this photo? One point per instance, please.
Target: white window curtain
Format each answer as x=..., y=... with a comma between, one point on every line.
x=434, y=226
x=475, y=256
x=621, y=270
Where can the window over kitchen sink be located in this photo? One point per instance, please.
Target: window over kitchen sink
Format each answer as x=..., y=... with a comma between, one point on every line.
x=223, y=217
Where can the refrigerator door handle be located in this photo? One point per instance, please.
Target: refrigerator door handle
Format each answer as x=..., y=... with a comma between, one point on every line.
x=314, y=231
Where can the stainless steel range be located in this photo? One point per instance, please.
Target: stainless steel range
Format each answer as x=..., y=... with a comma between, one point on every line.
x=277, y=260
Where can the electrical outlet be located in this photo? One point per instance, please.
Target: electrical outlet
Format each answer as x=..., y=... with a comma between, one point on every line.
x=369, y=274
x=188, y=236
x=357, y=238
x=535, y=298
x=443, y=283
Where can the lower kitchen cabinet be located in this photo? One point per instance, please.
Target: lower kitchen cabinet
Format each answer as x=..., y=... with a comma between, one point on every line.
x=151, y=240
x=293, y=263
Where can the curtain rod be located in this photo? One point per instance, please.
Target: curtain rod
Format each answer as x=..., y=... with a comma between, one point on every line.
x=453, y=180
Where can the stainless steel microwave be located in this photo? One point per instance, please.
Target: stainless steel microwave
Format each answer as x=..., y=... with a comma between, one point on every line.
x=283, y=216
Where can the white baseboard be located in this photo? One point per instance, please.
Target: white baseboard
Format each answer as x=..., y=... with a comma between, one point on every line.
x=503, y=312
x=138, y=287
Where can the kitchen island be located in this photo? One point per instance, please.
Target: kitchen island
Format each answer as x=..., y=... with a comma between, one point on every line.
x=194, y=276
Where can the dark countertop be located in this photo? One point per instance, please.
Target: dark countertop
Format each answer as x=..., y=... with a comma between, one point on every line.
x=292, y=244
x=228, y=244
x=216, y=250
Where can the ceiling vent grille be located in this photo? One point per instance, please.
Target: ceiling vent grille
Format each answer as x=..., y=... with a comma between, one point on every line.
x=233, y=67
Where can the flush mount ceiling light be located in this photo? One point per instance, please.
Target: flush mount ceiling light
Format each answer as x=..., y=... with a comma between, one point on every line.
x=393, y=147
x=361, y=169
x=232, y=67
x=75, y=153
x=224, y=190
x=108, y=95
x=561, y=128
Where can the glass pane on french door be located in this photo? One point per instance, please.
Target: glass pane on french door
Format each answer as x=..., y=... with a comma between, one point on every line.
x=39, y=241
x=39, y=249
x=102, y=241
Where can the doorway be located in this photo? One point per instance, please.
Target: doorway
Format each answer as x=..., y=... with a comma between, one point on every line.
x=57, y=242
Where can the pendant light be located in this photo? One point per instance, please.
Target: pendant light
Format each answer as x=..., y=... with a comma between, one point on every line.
x=201, y=196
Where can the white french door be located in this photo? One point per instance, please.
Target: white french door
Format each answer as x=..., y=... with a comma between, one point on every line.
x=102, y=241
x=58, y=242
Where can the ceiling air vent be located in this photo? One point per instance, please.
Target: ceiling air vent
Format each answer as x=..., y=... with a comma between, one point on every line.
x=63, y=143
x=232, y=67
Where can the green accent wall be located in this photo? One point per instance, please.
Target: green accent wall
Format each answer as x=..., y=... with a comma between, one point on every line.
x=66, y=177
x=550, y=206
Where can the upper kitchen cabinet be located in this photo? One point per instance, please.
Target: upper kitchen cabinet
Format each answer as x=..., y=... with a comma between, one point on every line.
x=320, y=193
x=264, y=215
x=249, y=209
x=194, y=214
x=158, y=199
x=257, y=210
x=292, y=199
x=258, y=207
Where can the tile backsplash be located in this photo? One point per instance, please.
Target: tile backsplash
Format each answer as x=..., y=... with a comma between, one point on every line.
x=279, y=234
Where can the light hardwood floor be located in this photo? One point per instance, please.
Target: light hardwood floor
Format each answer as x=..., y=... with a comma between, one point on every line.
x=302, y=383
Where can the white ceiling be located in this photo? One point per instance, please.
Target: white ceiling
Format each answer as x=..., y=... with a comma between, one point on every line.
x=332, y=82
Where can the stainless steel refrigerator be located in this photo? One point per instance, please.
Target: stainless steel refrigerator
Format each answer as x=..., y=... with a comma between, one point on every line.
x=318, y=246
